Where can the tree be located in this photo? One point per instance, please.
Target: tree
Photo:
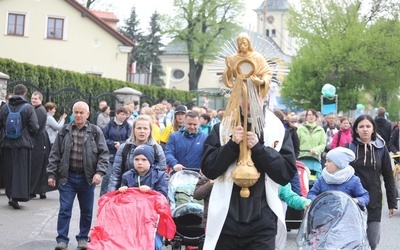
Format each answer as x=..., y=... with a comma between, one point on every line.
x=148, y=47
x=154, y=50
x=132, y=31
x=348, y=44
x=203, y=25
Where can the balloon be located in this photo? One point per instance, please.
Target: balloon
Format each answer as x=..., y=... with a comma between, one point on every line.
x=375, y=110
x=360, y=107
x=328, y=90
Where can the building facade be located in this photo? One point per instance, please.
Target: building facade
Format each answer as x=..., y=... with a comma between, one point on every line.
x=65, y=35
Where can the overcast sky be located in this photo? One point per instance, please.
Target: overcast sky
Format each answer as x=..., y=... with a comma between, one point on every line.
x=144, y=9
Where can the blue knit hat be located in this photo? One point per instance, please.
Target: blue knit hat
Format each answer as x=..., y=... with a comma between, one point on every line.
x=341, y=157
x=145, y=150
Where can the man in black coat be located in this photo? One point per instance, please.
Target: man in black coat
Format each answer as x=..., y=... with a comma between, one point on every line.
x=41, y=150
x=383, y=126
x=16, y=153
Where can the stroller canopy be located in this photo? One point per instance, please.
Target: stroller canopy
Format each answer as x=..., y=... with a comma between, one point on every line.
x=333, y=221
x=183, y=181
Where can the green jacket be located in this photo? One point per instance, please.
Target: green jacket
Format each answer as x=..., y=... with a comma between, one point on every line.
x=311, y=139
x=292, y=199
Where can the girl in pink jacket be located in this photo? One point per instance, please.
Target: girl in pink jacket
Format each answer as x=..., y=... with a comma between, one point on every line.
x=344, y=135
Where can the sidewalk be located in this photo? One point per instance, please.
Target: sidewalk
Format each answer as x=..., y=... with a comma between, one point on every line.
x=34, y=226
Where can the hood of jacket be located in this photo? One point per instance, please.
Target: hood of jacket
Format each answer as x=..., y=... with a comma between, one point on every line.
x=378, y=142
x=17, y=100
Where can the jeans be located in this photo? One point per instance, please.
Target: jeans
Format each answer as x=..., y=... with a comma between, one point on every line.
x=75, y=185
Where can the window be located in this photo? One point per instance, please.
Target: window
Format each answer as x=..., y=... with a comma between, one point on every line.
x=55, y=28
x=267, y=33
x=16, y=24
x=177, y=75
x=273, y=33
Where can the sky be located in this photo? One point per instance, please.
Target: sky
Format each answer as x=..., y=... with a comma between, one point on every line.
x=145, y=8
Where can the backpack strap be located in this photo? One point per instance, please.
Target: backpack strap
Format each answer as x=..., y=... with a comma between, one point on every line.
x=125, y=151
x=156, y=158
x=165, y=121
x=339, y=136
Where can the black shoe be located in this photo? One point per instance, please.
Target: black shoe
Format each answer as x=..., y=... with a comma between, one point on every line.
x=43, y=196
x=32, y=195
x=14, y=204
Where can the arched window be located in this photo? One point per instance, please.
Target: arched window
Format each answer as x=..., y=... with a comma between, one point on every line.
x=273, y=33
x=267, y=32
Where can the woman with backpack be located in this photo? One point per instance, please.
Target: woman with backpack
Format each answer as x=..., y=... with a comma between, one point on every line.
x=344, y=134
x=116, y=132
x=123, y=160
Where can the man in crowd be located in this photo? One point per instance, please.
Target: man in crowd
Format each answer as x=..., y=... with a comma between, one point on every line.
x=78, y=160
x=255, y=140
x=184, y=148
x=383, y=126
x=102, y=104
x=41, y=150
x=17, y=149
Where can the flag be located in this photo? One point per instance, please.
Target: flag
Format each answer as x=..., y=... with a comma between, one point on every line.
x=133, y=67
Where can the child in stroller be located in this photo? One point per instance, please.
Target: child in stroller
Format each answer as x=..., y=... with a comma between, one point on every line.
x=138, y=214
x=333, y=221
x=187, y=212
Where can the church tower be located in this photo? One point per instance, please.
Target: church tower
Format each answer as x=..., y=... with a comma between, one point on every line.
x=271, y=22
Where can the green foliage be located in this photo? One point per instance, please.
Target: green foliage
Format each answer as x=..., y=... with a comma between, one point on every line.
x=47, y=78
x=341, y=46
x=204, y=26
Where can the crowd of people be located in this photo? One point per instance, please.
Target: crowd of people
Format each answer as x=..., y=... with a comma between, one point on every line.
x=247, y=156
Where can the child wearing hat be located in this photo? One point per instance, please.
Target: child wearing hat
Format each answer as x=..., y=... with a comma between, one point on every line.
x=339, y=175
x=145, y=175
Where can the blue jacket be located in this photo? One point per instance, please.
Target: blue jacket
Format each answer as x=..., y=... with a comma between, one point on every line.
x=115, y=178
x=113, y=133
x=352, y=187
x=185, y=149
x=156, y=179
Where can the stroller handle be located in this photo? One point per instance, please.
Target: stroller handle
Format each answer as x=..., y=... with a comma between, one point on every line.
x=197, y=170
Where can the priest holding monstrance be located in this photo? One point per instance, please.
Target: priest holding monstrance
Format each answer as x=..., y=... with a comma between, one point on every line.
x=248, y=154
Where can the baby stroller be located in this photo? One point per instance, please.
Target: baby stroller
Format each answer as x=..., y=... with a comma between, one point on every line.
x=187, y=212
x=314, y=165
x=333, y=221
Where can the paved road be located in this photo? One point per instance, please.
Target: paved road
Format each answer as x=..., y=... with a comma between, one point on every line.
x=34, y=226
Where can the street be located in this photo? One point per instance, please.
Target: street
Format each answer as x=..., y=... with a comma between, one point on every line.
x=34, y=225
